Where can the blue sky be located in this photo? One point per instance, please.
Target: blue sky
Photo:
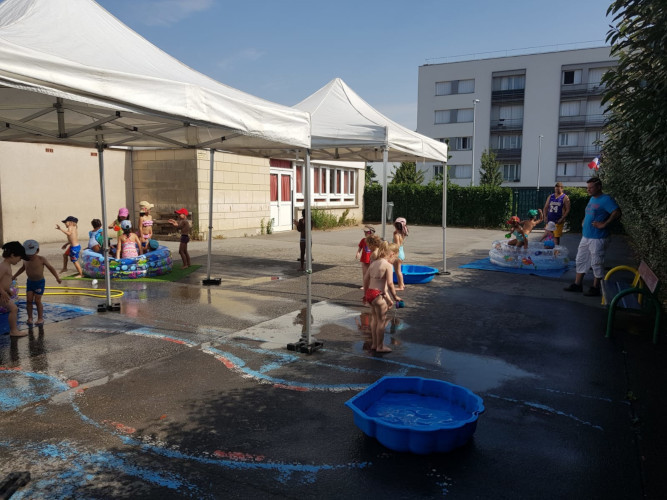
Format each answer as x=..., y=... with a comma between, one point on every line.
x=284, y=50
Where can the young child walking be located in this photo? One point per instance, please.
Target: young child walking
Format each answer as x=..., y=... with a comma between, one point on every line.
x=33, y=265
x=72, y=233
x=12, y=253
x=301, y=227
x=379, y=286
x=183, y=224
x=400, y=233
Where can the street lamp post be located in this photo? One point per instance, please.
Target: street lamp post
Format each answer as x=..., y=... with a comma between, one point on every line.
x=474, y=109
x=539, y=158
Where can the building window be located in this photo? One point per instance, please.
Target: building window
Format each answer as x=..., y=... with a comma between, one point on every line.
x=506, y=141
x=455, y=87
x=512, y=172
x=330, y=185
x=568, y=139
x=463, y=143
x=517, y=82
x=453, y=116
x=460, y=171
x=566, y=169
x=570, y=108
x=437, y=171
x=595, y=76
x=571, y=77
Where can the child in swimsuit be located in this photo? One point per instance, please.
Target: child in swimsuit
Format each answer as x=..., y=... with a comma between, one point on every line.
x=379, y=286
x=145, y=223
x=184, y=226
x=129, y=244
x=400, y=233
x=12, y=253
x=72, y=232
x=364, y=251
x=34, y=265
x=520, y=238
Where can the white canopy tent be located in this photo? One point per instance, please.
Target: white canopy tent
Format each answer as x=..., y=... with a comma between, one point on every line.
x=71, y=73
x=345, y=127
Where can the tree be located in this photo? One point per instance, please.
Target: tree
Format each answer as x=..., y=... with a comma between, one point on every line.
x=407, y=173
x=634, y=155
x=370, y=174
x=490, y=170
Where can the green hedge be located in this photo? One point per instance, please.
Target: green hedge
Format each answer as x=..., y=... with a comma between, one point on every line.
x=480, y=206
x=466, y=206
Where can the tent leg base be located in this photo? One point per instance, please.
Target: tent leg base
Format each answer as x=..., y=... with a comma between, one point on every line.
x=108, y=307
x=211, y=281
x=444, y=273
x=303, y=347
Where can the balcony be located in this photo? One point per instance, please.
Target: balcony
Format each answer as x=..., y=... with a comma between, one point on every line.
x=500, y=124
x=507, y=154
x=583, y=153
x=582, y=90
x=581, y=121
x=507, y=95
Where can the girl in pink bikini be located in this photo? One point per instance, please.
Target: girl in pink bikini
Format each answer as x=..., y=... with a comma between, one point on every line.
x=145, y=223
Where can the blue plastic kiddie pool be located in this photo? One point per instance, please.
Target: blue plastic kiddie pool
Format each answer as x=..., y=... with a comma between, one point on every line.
x=416, y=274
x=417, y=415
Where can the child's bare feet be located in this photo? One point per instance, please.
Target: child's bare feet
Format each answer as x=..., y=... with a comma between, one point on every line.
x=384, y=348
x=29, y=321
x=64, y=270
x=40, y=322
x=17, y=333
x=79, y=276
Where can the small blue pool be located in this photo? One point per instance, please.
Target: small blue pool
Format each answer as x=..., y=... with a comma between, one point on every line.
x=417, y=415
x=416, y=274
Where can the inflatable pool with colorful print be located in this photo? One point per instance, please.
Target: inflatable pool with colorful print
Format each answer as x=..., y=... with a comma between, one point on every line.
x=150, y=264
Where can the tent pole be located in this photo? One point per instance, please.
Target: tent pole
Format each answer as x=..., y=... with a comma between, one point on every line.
x=209, y=280
x=309, y=257
x=385, y=159
x=445, y=178
x=105, y=250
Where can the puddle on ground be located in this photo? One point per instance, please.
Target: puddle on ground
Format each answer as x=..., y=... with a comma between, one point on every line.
x=476, y=372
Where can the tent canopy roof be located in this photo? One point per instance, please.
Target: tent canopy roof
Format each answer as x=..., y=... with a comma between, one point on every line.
x=346, y=127
x=72, y=73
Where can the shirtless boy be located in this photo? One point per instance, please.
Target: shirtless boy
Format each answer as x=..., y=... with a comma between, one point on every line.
x=183, y=224
x=34, y=265
x=379, y=286
x=72, y=233
x=12, y=253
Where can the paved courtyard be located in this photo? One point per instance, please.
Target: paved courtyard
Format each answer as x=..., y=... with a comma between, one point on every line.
x=189, y=391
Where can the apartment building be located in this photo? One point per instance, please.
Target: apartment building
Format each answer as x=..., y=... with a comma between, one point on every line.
x=540, y=113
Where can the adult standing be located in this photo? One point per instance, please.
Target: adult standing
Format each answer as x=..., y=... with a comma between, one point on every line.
x=556, y=210
x=601, y=211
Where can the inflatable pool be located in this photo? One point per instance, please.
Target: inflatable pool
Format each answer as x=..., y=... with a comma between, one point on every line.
x=153, y=263
x=416, y=274
x=13, y=296
x=536, y=256
x=415, y=414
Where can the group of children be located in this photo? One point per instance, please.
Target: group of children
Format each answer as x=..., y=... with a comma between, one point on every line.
x=379, y=259
x=129, y=244
x=521, y=230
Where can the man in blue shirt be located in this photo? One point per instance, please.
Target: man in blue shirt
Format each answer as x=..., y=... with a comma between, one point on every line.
x=601, y=211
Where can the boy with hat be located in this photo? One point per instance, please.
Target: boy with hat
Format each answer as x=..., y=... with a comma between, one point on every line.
x=33, y=266
x=183, y=224
x=72, y=233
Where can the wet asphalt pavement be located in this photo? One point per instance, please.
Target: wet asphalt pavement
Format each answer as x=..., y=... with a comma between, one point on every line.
x=189, y=391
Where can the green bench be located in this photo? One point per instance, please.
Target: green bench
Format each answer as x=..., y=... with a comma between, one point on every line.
x=638, y=295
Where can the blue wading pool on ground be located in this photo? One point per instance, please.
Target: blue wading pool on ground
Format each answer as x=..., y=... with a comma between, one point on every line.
x=417, y=415
x=416, y=274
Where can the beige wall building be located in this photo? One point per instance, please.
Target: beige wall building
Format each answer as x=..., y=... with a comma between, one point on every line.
x=41, y=184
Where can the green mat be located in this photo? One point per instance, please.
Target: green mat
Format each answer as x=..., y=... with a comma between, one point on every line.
x=175, y=275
